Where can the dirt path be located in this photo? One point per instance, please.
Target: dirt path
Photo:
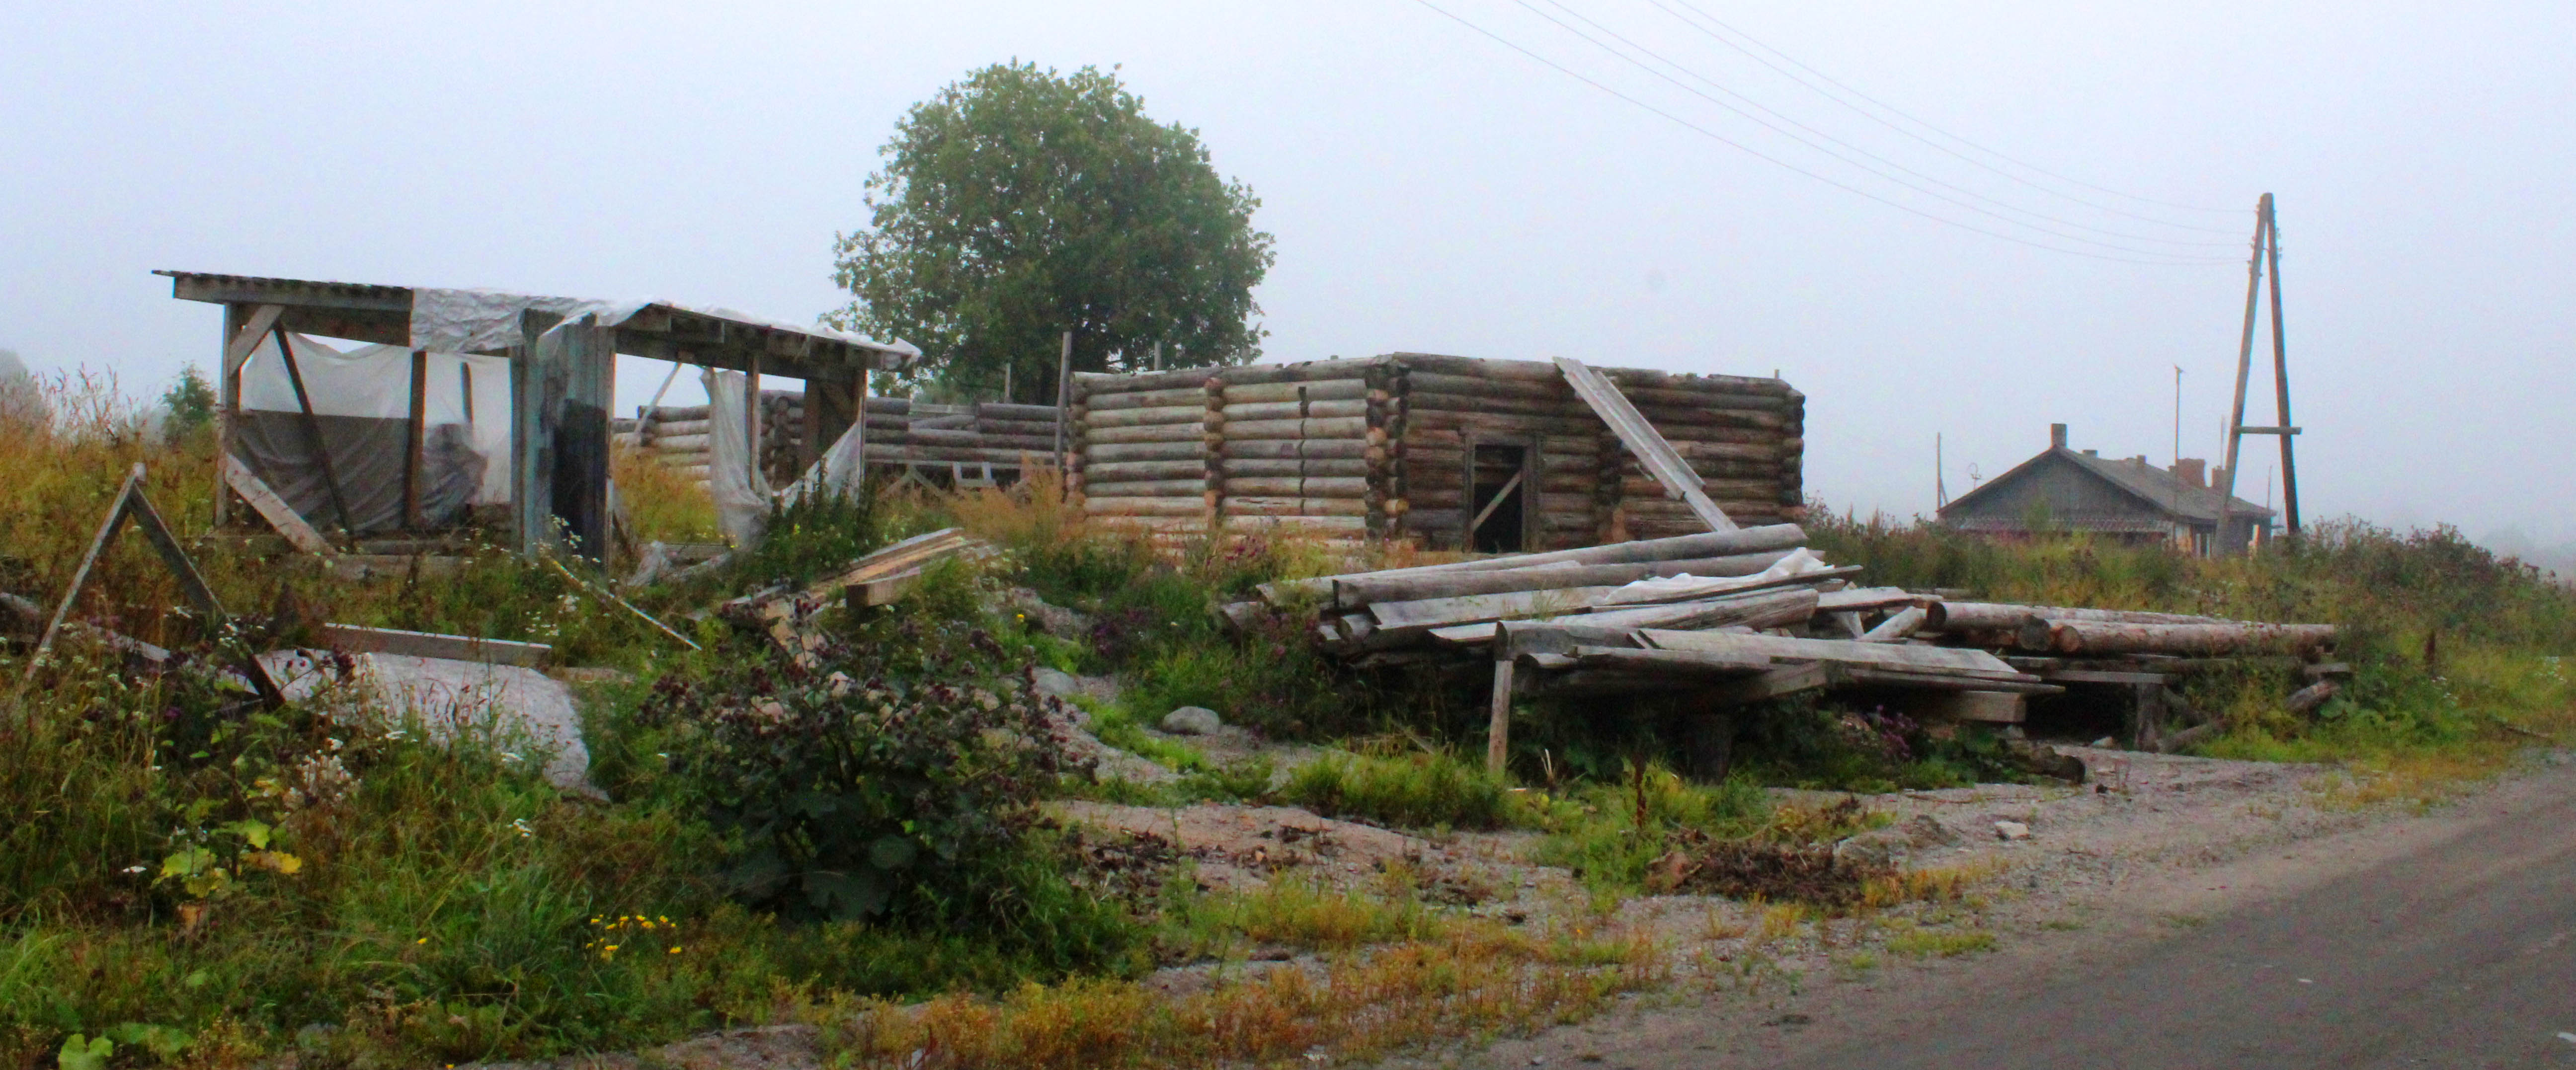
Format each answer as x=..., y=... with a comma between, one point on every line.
x=2215, y=916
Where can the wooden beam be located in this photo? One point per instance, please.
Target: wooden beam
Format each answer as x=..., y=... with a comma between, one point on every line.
x=360, y=639
x=271, y=507
x=313, y=430
x=416, y=439
x=1642, y=439
x=1498, y=721
x=116, y=516
x=246, y=341
x=1879, y=655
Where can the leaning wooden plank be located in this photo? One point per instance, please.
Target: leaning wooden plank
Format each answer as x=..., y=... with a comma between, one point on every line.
x=2114, y=637
x=357, y=638
x=1641, y=439
x=1704, y=544
x=272, y=508
x=1844, y=651
x=117, y=514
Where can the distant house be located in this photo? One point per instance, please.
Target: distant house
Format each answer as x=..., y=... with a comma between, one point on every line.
x=2069, y=490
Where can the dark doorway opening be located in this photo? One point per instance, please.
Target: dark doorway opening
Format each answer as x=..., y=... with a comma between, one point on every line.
x=1498, y=486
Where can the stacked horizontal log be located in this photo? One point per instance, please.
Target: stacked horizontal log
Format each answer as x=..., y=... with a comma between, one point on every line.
x=1742, y=436
x=1298, y=446
x=900, y=432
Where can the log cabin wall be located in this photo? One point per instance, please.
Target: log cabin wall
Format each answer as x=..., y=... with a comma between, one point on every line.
x=1381, y=448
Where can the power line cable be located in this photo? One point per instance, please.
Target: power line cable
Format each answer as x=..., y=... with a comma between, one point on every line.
x=1713, y=84
x=1901, y=113
x=1776, y=161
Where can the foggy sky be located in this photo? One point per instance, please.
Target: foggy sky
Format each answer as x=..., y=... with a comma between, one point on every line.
x=1434, y=190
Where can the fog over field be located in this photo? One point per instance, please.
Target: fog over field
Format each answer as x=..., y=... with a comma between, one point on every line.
x=1921, y=215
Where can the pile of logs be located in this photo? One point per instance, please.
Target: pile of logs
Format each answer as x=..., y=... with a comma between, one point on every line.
x=900, y=432
x=1727, y=618
x=1302, y=446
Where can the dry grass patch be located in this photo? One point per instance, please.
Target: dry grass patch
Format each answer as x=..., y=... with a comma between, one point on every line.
x=1479, y=978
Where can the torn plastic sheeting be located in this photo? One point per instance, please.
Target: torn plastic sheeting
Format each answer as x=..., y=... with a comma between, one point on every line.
x=741, y=492
x=362, y=398
x=525, y=712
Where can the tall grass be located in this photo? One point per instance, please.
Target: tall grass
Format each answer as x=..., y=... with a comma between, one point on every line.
x=2456, y=650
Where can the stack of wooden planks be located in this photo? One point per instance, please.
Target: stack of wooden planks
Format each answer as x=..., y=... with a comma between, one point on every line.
x=786, y=614
x=1303, y=446
x=1719, y=619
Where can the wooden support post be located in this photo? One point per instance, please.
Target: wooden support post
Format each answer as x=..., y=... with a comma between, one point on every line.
x=416, y=440
x=1212, y=452
x=313, y=430
x=1063, y=402
x=2147, y=716
x=751, y=416
x=244, y=326
x=1498, y=724
x=2281, y=377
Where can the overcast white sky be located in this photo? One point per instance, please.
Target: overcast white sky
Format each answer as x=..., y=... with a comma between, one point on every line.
x=1432, y=189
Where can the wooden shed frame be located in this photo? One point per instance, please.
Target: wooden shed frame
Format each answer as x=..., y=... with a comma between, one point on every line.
x=1384, y=447
x=559, y=395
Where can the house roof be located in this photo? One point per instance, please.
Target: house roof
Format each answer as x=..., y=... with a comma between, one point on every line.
x=462, y=320
x=2155, y=487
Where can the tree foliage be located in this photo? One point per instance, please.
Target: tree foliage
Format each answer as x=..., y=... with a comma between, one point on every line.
x=1018, y=204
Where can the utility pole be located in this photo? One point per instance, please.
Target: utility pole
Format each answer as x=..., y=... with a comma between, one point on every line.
x=2267, y=249
x=1940, y=488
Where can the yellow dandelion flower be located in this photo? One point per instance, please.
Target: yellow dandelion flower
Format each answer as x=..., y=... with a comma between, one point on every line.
x=675, y=951
x=422, y=940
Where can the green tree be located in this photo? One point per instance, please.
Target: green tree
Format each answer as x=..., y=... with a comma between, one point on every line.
x=191, y=402
x=1018, y=204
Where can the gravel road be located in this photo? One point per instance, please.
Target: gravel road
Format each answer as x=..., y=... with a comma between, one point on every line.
x=2445, y=938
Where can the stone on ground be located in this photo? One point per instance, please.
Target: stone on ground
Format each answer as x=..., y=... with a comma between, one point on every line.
x=1192, y=721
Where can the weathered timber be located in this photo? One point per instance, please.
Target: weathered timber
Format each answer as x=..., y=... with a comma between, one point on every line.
x=1865, y=598
x=1144, y=399
x=1641, y=439
x=1322, y=390
x=1094, y=473
x=1425, y=402
x=1319, y=427
x=1130, y=452
x=1291, y=410
x=1190, y=506
x=1364, y=590
x=1703, y=544
x=1843, y=651
x=1190, y=487
x=1294, y=448
x=1427, y=382
x=1266, y=505
x=1432, y=613
x=1476, y=367
x=1986, y=616
x=1306, y=467
x=361, y=639
x=1898, y=626
x=2116, y=637
x=1156, y=416
x=1676, y=662
x=1192, y=432
x=1299, y=486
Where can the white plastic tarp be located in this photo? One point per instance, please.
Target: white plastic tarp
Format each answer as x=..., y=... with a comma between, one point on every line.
x=740, y=490
x=362, y=399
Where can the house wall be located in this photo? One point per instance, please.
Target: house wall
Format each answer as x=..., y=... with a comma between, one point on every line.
x=1380, y=446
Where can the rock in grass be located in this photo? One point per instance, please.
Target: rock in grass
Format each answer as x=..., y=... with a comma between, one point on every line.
x=1192, y=721
x=2011, y=830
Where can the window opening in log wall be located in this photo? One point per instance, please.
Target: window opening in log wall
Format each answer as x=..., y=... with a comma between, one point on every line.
x=1498, y=472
